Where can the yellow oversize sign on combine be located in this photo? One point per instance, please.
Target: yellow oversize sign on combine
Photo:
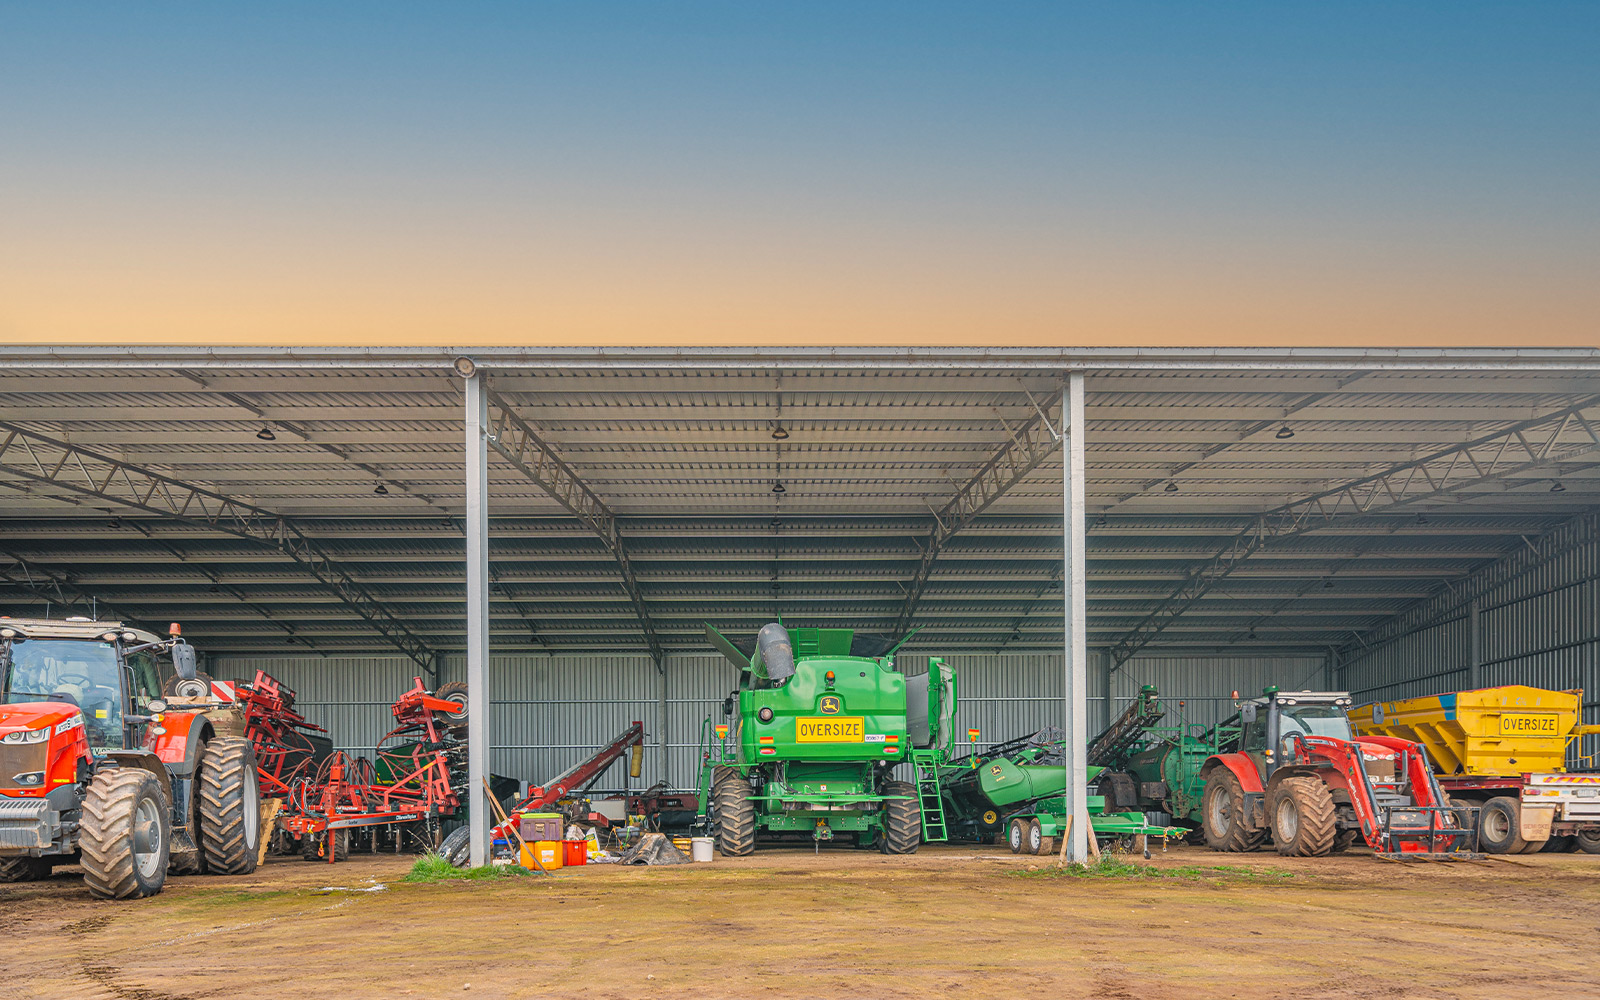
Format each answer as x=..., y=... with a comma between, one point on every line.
x=1528, y=725
x=830, y=729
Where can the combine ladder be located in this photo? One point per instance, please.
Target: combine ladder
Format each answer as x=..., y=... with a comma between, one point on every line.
x=926, y=763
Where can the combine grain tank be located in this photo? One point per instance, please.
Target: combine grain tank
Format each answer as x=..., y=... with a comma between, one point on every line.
x=1503, y=749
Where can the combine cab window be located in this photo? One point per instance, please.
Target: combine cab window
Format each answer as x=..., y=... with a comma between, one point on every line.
x=72, y=671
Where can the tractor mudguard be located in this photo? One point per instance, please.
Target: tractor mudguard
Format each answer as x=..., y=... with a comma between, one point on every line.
x=1241, y=765
x=179, y=747
x=146, y=760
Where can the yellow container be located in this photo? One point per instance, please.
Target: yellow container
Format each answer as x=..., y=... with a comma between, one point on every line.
x=547, y=852
x=1495, y=731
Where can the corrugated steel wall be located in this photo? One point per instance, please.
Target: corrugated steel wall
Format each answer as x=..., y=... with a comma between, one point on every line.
x=553, y=711
x=1538, y=629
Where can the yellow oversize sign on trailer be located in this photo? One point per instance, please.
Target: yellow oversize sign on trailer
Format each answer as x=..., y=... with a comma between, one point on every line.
x=1529, y=725
x=830, y=729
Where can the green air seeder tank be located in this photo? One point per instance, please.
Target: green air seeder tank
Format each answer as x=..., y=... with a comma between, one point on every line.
x=812, y=736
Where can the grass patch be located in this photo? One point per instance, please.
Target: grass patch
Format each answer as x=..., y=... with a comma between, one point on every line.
x=433, y=868
x=1112, y=867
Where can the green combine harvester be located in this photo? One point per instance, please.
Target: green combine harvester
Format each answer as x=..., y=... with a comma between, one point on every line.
x=810, y=740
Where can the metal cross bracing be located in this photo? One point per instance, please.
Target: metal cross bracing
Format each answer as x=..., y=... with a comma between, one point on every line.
x=513, y=439
x=1544, y=443
x=60, y=464
x=1027, y=448
x=51, y=586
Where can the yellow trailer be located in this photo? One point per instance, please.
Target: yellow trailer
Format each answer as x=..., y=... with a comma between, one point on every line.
x=1503, y=749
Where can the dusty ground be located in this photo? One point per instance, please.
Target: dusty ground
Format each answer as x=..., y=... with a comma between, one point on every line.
x=785, y=923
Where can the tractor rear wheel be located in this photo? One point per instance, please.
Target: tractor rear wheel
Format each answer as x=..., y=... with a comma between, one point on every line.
x=125, y=834
x=1222, y=809
x=229, y=793
x=23, y=869
x=902, y=818
x=1500, y=826
x=1303, y=817
x=736, y=814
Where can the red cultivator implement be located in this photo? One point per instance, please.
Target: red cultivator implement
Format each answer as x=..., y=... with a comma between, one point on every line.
x=286, y=748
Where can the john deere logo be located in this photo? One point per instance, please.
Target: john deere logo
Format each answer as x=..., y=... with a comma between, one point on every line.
x=830, y=705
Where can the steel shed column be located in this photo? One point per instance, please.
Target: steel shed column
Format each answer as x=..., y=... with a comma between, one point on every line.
x=1075, y=725
x=1474, y=647
x=477, y=529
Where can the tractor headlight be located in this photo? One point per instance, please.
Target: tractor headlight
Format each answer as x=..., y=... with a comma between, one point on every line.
x=29, y=778
x=26, y=736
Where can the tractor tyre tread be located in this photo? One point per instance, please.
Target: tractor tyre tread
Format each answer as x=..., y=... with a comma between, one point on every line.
x=457, y=848
x=1315, y=831
x=105, y=834
x=24, y=869
x=902, y=819
x=229, y=830
x=736, y=814
x=1238, y=838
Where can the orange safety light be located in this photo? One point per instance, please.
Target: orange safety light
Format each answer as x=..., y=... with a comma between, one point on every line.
x=174, y=629
x=972, y=734
x=722, y=732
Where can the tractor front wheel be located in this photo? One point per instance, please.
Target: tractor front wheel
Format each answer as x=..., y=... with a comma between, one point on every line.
x=229, y=792
x=1222, y=810
x=1303, y=818
x=902, y=818
x=125, y=834
x=24, y=869
x=1500, y=826
x=736, y=814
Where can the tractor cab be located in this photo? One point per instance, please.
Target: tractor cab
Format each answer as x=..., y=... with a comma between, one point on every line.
x=115, y=675
x=1270, y=725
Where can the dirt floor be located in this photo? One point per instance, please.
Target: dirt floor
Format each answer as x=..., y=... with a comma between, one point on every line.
x=957, y=922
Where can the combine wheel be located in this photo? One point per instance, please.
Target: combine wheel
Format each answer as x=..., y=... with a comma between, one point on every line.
x=1499, y=826
x=1222, y=809
x=229, y=792
x=1588, y=840
x=314, y=846
x=902, y=819
x=455, y=691
x=736, y=814
x=24, y=869
x=125, y=834
x=1303, y=818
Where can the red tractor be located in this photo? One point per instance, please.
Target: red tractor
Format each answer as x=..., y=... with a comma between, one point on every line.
x=114, y=756
x=1299, y=773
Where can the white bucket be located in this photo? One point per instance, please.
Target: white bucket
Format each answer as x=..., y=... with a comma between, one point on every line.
x=700, y=848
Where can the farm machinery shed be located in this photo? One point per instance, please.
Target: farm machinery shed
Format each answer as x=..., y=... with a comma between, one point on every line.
x=1388, y=522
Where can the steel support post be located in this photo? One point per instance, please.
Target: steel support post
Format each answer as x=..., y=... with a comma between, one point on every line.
x=1075, y=725
x=477, y=529
x=663, y=748
x=1474, y=647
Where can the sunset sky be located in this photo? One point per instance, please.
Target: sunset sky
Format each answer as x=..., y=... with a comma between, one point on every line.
x=964, y=173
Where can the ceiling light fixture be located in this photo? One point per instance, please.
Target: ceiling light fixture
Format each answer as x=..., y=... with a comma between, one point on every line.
x=1556, y=487
x=1422, y=519
x=1284, y=433
x=779, y=434
x=265, y=434
x=381, y=490
x=778, y=488
x=1171, y=487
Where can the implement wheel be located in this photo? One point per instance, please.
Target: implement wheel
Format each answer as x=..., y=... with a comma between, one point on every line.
x=1302, y=818
x=314, y=846
x=229, y=793
x=1500, y=825
x=125, y=834
x=902, y=818
x=1017, y=835
x=1222, y=809
x=455, y=691
x=736, y=814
